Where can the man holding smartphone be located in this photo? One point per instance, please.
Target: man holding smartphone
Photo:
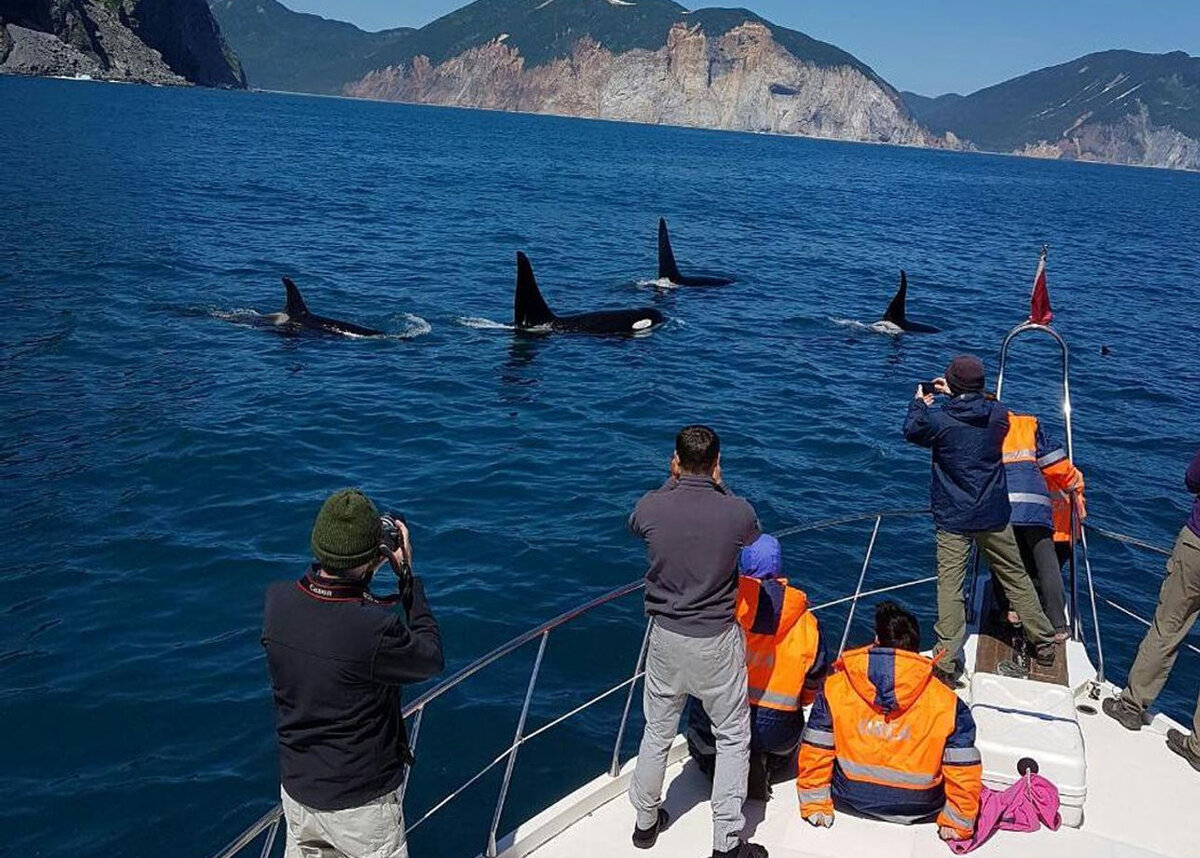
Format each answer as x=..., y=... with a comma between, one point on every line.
x=338, y=655
x=969, y=498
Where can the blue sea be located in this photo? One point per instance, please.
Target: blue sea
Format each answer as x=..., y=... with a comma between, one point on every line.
x=163, y=461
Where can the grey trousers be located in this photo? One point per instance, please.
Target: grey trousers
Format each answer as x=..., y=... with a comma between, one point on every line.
x=374, y=830
x=713, y=670
x=1178, y=606
x=1004, y=559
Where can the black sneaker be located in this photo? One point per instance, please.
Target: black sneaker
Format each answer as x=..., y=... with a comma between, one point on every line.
x=644, y=838
x=1046, y=654
x=1178, y=742
x=953, y=681
x=1128, y=718
x=743, y=850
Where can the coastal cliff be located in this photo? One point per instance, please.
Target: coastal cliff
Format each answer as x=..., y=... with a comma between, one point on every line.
x=172, y=42
x=1118, y=107
x=742, y=80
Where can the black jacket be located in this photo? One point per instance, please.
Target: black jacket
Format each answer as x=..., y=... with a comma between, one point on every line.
x=337, y=658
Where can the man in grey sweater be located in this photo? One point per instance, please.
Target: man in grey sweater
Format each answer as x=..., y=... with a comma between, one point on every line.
x=694, y=529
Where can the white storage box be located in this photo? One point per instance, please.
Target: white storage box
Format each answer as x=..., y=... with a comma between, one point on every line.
x=1017, y=719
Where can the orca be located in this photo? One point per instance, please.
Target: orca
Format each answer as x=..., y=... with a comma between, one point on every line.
x=668, y=270
x=296, y=317
x=531, y=313
x=896, y=316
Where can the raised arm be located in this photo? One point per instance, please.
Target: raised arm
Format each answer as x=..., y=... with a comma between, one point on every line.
x=411, y=653
x=918, y=427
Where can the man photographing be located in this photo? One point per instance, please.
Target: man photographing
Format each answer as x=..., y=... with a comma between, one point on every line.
x=969, y=498
x=337, y=656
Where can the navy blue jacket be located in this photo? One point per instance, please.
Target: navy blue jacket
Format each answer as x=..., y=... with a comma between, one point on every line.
x=969, y=490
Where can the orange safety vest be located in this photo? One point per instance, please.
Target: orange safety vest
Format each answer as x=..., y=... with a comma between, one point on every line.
x=891, y=742
x=1040, y=477
x=782, y=643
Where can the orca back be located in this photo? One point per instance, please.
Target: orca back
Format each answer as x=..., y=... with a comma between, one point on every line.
x=896, y=310
x=529, y=307
x=667, y=267
x=296, y=308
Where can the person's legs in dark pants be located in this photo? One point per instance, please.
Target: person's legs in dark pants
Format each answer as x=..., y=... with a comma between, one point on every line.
x=1041, y=561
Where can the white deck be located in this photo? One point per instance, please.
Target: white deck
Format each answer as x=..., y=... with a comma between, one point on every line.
x=1143, y=800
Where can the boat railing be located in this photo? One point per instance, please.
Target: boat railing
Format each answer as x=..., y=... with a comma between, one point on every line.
x=267, y=827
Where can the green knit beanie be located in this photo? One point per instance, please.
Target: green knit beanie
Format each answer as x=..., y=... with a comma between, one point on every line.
x=347, y=532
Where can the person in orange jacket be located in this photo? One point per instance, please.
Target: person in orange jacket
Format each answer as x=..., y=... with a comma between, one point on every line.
x=786, y=664
x=886, y=742
x=1042, y=483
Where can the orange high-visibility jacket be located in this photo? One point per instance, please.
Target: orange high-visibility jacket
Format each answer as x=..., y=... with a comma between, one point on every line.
x=785, y=658
x=1040, y=477
x=888, y=741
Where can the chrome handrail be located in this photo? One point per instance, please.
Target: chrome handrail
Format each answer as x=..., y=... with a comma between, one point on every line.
x=271, y=821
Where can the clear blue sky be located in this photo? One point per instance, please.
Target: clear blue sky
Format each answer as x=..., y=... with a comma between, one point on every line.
x=929, y=46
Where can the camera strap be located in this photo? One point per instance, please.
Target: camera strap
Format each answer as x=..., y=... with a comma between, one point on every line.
x=328, y=590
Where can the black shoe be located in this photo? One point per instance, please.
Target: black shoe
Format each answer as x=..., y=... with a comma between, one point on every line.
x=953, y=681
x=1177, y=741
x=644, y=838
x=1122, y=714
x=1046, y=654
x=743, y=850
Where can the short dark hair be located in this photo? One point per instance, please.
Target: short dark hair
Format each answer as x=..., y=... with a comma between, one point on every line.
x=896, y=628
x=697, y=448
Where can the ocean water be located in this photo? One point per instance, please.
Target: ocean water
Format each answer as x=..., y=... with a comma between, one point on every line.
x=162, y=463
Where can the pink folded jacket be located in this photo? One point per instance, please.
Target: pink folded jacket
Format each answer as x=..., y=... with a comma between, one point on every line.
x=1025, y=806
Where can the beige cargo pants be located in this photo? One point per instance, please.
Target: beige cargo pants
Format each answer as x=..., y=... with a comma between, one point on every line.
x=1178, y=606
x=1003, y=555
x=374, y=830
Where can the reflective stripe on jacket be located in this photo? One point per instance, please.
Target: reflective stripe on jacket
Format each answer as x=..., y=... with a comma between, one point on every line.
x=785, y=657
x=1040, y=477
x=888, y=741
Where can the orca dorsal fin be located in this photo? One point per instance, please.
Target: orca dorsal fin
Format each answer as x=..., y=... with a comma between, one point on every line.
x=896, y=310
x=296, y=308
x=667, y=269
x=529, y=307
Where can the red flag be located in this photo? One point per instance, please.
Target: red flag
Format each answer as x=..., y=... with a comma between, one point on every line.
x=1039, y=303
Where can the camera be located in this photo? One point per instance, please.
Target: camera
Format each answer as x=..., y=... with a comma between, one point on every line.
x=928, y=388
x=391, y=531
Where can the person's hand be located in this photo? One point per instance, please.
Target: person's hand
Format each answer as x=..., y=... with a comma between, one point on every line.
x=927, y=398
x=820, y=820
x=406, y=551
x=942, y=386
x=947, y=833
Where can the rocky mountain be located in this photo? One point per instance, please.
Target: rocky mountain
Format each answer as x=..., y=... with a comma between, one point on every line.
x=149, y=41
x=645, y=61
x=296, y=52
x=1116, y=106
x=743, y=80
x=286, y=50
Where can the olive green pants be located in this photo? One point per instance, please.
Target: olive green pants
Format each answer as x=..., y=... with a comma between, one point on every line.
x=1178, y=606
x=1004, y=559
